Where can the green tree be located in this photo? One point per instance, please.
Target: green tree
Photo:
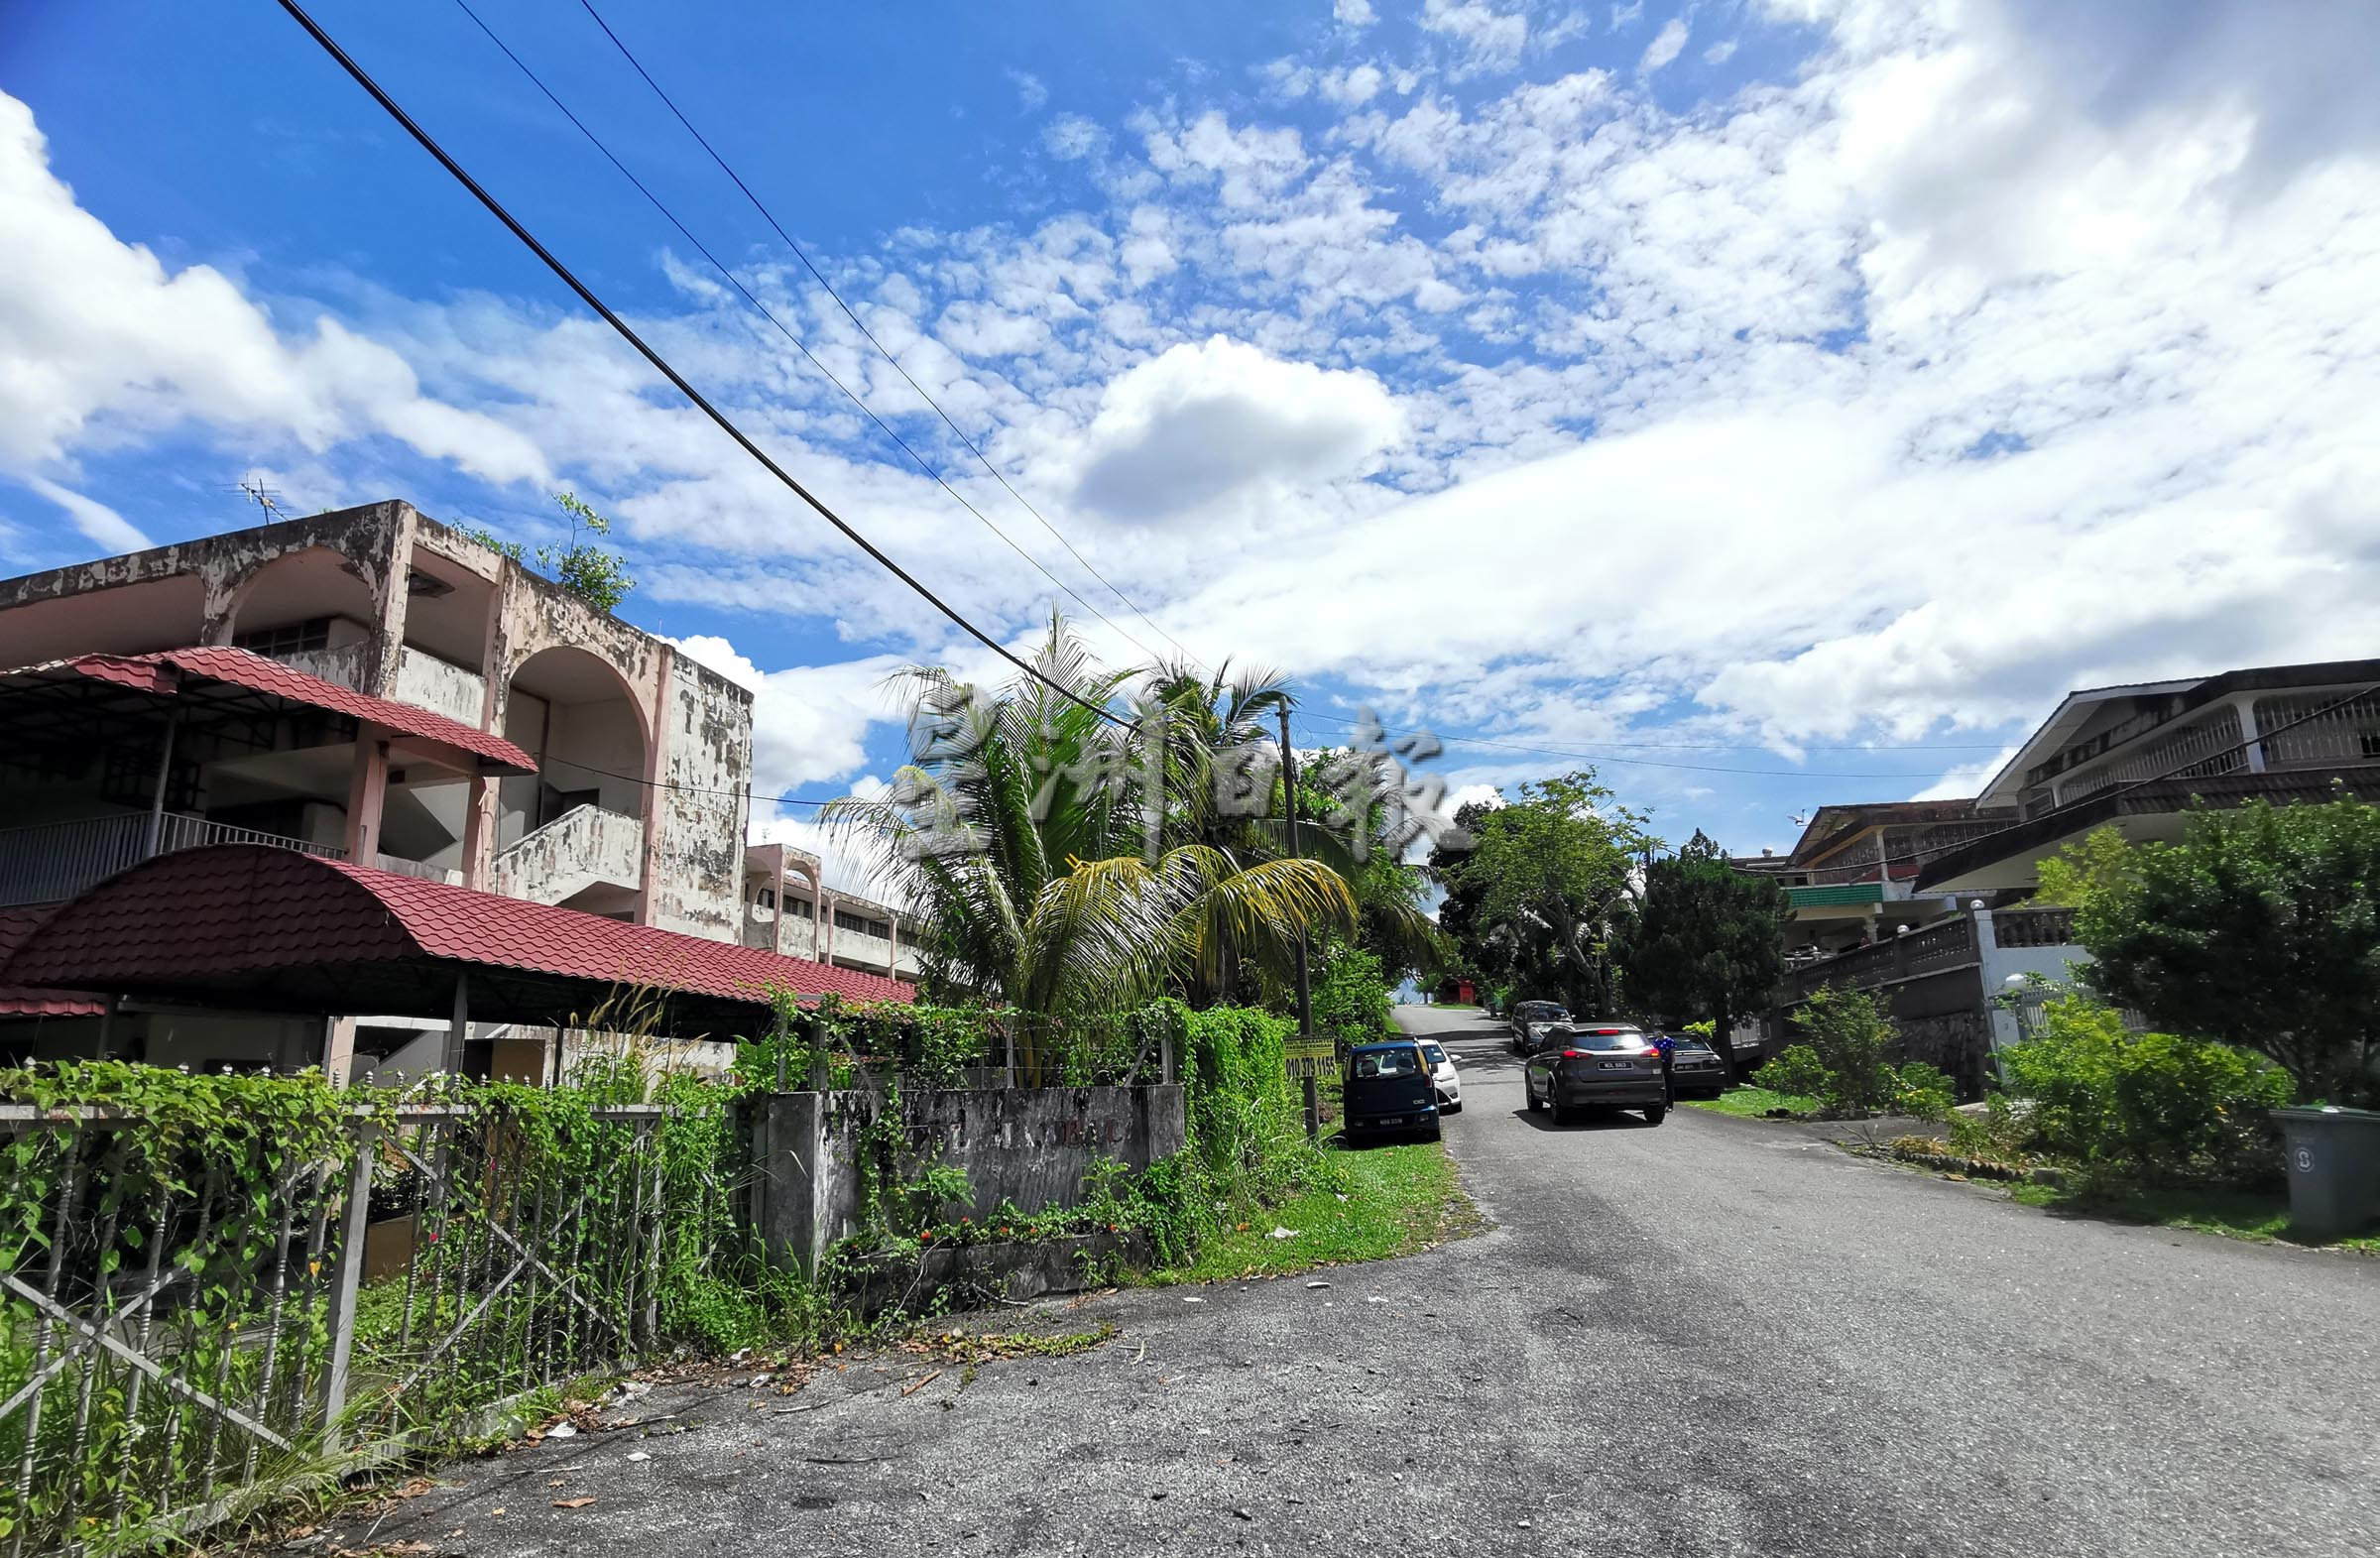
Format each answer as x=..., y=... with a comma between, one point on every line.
x=590, y=573
x=2260, y=927
x=1546, y=895
x=1706, y=942
x=1022, y=827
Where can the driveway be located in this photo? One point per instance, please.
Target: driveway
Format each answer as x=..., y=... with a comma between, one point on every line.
x=1710, y=1337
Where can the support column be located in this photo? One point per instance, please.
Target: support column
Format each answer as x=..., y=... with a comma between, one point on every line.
x=367, y=788
x=458, y=1026
x=479, y=835
x=777, y=928
x=656, y=767
x=165, y=774
x=893, y=938
x=826, y=919
x=2248, y=734
x=338, y=1050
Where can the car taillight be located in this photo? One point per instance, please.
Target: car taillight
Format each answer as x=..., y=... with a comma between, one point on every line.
x=1574, y=1054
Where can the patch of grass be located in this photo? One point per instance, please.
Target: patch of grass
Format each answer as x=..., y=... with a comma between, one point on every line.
x=1752, y=1103
x=1396, y=1201
x=2259, y=1216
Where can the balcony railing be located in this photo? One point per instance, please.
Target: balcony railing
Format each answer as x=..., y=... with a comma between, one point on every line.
x=1932, y=950
x=2033, y=927
x=584, y=847
x=53, y=860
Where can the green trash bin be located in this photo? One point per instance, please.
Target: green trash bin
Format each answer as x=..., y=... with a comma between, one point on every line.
x=2334, y=1159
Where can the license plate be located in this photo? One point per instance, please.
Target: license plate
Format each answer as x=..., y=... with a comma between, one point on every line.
x=1617, y=1065
x=1392, y=1119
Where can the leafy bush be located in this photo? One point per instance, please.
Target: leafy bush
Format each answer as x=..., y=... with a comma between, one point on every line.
x=2146, y=1108
x=1846, y=1064
x=1350, y=1000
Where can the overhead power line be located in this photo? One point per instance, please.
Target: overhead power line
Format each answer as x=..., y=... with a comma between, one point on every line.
x=783, y=330
x=852, y=314
x=662, y=365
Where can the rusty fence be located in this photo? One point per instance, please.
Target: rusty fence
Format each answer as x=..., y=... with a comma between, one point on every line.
x=179, y=1340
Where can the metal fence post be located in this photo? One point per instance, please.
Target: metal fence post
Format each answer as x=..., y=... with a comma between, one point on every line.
x=347, y=1280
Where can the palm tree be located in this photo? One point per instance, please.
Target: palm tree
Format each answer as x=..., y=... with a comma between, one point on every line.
x=1020, y=828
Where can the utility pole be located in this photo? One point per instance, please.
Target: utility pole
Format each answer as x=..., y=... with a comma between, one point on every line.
x=1305, y=1001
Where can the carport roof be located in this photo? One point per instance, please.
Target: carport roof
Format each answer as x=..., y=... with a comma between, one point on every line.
x=164, y=673
x=261, y=928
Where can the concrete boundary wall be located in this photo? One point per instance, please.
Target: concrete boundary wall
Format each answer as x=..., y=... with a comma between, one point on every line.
x=1032, y=1147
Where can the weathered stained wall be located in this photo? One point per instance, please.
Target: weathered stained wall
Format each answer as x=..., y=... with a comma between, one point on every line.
x=1032, y=1147
x=694, y=839
x=77, y=609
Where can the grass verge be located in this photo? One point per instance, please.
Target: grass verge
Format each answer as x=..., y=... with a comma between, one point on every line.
x=1398, y=1200
x=2261, y=1216
x=1752, y=1103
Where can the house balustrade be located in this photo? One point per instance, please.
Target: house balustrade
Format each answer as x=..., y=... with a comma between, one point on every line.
x=51, y=862
x=1932, y=950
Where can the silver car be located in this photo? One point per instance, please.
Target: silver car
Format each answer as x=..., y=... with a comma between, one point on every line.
x=1604, y=1066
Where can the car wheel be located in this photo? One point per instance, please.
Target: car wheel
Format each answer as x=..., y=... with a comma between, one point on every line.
x=1437, y=1132
x=1534, y=1106
x=1561, y=1116
x=1655, y=1115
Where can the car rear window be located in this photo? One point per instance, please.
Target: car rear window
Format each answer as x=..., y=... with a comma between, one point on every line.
x=1435, y=1055
x=1387, y=1063
x=1607, y=1038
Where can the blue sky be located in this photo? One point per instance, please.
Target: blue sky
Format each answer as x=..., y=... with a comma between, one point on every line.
x=1780, y=402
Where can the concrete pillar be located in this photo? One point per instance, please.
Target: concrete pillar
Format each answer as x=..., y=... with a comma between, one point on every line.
x=656, y=753
x=777, y=928
x=479, y=835
x=338, y=1050
x=893, y=938
x=826, y=918
x=367, y=788
x=2248, y=734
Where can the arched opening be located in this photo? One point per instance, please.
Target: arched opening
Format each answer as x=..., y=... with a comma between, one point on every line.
x=574, y=832
x=310, y=610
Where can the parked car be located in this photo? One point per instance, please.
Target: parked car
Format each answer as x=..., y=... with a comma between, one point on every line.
x=1695, y=1069
x=1531, y=1018
x=1443, y=1075
x=1388, y=1088
x=1605, y=1066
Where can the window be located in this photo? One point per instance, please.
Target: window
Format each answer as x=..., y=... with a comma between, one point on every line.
x=1434, y=1055
x=766, y=898
x=846, y=920
x=291, y=639
x=799, y=909
x=1402, y=1062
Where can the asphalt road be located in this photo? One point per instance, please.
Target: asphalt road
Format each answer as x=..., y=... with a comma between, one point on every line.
x=1714, y=1337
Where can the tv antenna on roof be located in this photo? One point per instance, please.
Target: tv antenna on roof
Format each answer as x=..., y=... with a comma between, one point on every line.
x=254, y=490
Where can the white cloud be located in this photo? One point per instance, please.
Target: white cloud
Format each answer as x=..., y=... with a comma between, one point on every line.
x=809, y=723
x=1720, y=52
x=1354, y=14
x=101, y=523
x=1200, y=424
x=1666, y=45
x=1625, y=16
x=1492, y=40
x=1031, y=92
x=1071, y=137
x=99, y=343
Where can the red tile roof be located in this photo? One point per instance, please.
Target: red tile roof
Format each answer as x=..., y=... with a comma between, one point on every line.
x=258, y=673
x=248, y=923
x=17, y=1001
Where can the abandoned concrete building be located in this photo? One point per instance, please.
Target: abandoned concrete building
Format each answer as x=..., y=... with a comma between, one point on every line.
x=382, y=692
x=789, y=909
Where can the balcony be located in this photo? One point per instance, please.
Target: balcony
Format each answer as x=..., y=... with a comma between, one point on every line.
x=585, y=847
x=1937, y=949
x=423, y=680
x=55, y=860
x=440, y=686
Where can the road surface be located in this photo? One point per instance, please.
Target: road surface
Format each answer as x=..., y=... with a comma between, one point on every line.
x=1714, y=1337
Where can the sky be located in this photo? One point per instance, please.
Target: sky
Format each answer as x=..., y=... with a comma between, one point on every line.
x=1768, y=403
